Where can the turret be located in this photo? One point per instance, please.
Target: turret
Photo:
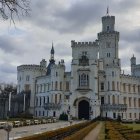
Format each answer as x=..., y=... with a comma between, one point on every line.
x=43, y=63
x=133, y=61
x=108, y=22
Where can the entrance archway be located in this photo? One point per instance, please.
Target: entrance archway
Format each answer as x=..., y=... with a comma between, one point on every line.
x=83, y=110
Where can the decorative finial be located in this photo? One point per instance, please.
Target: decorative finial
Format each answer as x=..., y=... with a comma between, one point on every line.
x=107, y=11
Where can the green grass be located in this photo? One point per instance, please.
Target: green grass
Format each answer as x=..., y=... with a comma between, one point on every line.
x=101, y=135
x=134, y=126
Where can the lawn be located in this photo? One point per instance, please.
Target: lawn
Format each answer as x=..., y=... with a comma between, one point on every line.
x=134, y=126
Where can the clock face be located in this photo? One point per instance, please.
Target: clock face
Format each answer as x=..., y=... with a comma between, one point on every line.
x=108, y=44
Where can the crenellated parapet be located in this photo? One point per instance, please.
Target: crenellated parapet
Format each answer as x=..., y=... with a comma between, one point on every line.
x=81, y=44
x=32, y=67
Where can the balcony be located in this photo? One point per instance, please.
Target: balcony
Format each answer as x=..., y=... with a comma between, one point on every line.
x=114, y=107
x=52, y=106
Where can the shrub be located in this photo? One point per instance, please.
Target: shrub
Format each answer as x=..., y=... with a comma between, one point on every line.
x=63, y=116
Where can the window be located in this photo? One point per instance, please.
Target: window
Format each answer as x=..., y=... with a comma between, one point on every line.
x=67, y=86
x=20, y=78
x=55, y=98
x=102, y=86
x=44, y=100
x=27, y=87
x=40, y=88
x=135, y=116
x=48, y=99
x=60, y=97
x=129, y=88
x=129, y=101
x=84, y=53
x=40, y=101
x=52, y=85
x=113, y=85
x=56, y=85
x=118, y=99
x=108, y=99
x=134, y=102
x=83, y=80
x=118, y=86
x=124, y=100
x=60, y=85
x=124, y=87
x=130, y=115
x=114, y=115
x=102, y=100
x=48, y=87
x=108, y=54
x=112, y=73
x=27, y=78
x=108, y=85
x=139, y=102
x=138, y=88
x=113, y=99
x=133, y=88
x=56, y=74
x=84, y=61
x=43, y=113
x=44, y=87
x=107, y=28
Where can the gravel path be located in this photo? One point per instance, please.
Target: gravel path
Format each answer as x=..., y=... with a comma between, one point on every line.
x=93, y=134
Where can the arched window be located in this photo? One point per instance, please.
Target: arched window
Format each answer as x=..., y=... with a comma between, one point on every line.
x=107, y=28
x=83, y=80
x=108, y=99
x=113, y=85
x=56, y=85
x=113, y=99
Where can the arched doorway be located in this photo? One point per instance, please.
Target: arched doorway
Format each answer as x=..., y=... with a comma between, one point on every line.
x=83, y=110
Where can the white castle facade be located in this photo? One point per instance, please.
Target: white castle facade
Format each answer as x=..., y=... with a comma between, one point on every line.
x=94, y=87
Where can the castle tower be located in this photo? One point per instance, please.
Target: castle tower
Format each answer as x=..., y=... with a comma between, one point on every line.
x=133, y=64
x=133, y=61
x=108, y=52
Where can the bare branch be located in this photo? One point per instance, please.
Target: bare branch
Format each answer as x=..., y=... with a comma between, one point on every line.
x=11, y=8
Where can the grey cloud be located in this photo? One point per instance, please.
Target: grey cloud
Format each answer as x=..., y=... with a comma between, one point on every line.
x=7, y=68
x=10, y=45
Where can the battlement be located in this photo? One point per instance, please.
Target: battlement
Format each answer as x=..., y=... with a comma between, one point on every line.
x=30, y=67
x=108, y=17
x=81, y=44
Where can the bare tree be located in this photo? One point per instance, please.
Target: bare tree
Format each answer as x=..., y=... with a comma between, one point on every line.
x=11, y=8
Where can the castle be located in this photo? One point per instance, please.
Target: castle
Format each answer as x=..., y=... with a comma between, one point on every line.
x=94, y=87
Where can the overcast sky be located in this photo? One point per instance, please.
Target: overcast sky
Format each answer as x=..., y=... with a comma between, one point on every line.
x=61, y=21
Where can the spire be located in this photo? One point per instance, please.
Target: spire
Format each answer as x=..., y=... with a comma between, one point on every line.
x=107, y=11
x=52, y=50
